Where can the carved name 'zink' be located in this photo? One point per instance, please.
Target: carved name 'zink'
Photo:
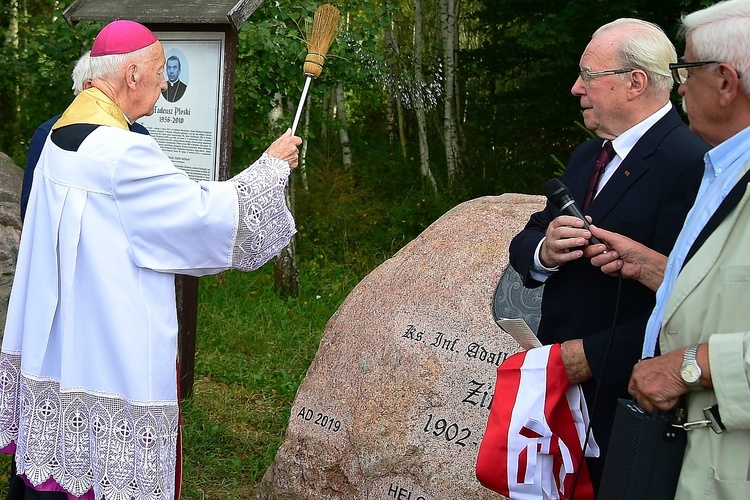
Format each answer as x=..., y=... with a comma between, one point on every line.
x=479, y=394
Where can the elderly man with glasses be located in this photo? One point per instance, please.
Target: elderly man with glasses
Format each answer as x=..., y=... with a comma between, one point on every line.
x=701, y=320
x=643, y=188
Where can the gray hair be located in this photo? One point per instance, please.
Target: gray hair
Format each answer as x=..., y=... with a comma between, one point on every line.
x=81, y=72
x=108, y=67
x=722, y=33
x=648, y=49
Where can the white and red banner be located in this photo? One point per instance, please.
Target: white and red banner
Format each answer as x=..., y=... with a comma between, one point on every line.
x=536, y=429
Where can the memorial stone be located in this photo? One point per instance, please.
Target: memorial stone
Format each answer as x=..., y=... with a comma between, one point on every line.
x=396, y=400
x=11, y=178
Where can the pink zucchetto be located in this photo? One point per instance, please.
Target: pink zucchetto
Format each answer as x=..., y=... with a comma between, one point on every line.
x=121, y=37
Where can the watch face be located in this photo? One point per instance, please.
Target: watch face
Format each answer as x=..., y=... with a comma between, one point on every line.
x=690, y=373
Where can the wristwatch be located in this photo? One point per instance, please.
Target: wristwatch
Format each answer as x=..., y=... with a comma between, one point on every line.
x=690, y=371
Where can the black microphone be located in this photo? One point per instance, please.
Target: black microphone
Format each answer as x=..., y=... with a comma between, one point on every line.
x=560, y=197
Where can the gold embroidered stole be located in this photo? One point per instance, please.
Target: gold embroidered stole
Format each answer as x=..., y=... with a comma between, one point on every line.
x=92, y=106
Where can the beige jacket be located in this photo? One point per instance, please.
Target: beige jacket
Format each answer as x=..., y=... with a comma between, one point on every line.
x=711, y=303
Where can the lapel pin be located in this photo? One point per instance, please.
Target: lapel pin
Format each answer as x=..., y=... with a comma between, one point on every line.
x=627, y=173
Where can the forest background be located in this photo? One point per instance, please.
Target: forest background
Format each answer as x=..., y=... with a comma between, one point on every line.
x=422, y=104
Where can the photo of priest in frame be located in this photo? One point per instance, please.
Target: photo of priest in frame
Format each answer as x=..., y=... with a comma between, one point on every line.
x=177, y=73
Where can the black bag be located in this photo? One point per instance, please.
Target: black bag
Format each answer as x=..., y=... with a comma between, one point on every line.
x=645, y=454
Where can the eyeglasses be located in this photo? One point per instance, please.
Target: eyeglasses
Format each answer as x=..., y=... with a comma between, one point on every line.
x=587, y=75
x=680, y=71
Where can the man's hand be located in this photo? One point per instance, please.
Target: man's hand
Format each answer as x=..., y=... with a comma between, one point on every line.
x=285, y=148
x=656, y=382
x=633, y=260
x=564, y=239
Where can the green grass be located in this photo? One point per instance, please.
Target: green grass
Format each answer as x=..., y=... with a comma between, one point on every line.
x=252, y=350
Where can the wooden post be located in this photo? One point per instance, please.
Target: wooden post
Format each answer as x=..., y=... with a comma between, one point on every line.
x=186, y=295
x=186, y=287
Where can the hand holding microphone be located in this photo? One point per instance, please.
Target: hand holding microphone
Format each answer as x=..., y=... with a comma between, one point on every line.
x=560, y=197
x=564, y=239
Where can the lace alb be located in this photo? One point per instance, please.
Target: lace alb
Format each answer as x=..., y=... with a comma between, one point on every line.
x=265, y=223
x=122, y=449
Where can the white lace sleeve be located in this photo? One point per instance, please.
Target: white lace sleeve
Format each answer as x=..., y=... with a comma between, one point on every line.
x=265, y=224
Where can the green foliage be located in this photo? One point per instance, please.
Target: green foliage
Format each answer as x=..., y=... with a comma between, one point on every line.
x=35, y=77
x=517, y=61
x=518, y=124
x=271, y=52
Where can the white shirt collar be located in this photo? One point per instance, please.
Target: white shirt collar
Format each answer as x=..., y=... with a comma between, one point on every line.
x=626, y=141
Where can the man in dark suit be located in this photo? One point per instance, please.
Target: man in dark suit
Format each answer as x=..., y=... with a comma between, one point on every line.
x=644, y=192
x=175, y=87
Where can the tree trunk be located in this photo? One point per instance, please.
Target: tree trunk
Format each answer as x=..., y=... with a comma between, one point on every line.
x=402, y=127
x=346, y=151
x=11, y=36
x=327, y=112
x=448, y=27
x=285, y=268
x=393, y=55
x=460, y=107
x=390, y=120
x=418, y=98
x=305, y=141
x=11, y=109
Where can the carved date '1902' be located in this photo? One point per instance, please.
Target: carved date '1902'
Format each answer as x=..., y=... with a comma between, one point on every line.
x=451, y=432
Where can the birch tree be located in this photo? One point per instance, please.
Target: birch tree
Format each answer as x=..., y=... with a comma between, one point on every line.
x=418, y=98
x=346, y=151
x=303, y=152
x=393, y=57
x=448, y=28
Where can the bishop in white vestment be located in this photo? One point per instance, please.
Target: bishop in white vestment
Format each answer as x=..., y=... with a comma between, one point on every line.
x=88, y=383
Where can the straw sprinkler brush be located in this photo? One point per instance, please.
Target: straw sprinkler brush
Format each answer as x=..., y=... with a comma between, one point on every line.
x=325, y=24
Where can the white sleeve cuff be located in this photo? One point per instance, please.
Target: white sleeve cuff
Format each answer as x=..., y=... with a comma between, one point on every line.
x=538, y=271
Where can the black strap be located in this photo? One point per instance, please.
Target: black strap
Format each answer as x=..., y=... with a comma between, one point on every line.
x=70, y=137
x=729, y=203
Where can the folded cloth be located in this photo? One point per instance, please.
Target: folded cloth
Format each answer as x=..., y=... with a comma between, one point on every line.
x=536, y=430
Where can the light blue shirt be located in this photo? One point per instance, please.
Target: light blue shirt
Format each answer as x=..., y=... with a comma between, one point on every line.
x=724, y=166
